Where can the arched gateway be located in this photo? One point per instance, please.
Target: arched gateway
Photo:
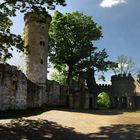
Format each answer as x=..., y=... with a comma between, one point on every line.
x=122, y=93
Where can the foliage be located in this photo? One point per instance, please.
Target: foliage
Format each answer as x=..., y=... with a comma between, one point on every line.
x=103, y=100
x=8, y=9
x=59, y=77
x=71, y=37
x=7, y=39
x=97, y=61
x=126, y=65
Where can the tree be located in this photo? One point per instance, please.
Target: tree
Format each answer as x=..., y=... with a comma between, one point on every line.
x=71, y=37
x=96, y=62
x=7, y=39
x=58, y=77
x=8, y=9
x=126, y=65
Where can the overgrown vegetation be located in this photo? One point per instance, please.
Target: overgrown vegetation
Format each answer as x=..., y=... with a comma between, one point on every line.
x=103, y=100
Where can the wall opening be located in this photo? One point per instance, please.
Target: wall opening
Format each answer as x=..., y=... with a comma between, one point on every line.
x=14, y=85
x=103, y=100
x=41, y=61
x=42, y=43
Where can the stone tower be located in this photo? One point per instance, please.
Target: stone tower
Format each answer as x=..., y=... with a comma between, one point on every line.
x=36, y=42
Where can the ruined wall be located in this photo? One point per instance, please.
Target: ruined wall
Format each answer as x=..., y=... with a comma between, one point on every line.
x=36, y=95
x=123, y=91
x=56, y=94
x=13, y=88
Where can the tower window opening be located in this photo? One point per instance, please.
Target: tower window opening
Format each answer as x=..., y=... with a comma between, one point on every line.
x=41, y=61
x=42, y=43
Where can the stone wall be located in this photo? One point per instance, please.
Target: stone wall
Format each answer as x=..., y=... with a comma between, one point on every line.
x=123, y=91
x=36, y=95
x=13, y=88
x=137, y=102
x=137, y=89
x=56, y=94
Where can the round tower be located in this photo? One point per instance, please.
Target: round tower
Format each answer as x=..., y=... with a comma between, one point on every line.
x=36, y=42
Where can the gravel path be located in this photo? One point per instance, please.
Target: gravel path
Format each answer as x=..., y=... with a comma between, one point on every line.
x=72, y=125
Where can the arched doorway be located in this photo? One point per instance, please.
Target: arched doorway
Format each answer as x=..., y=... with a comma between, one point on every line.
x=103, y=100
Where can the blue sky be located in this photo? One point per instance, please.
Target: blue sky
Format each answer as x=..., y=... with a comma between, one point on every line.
x=120, y=21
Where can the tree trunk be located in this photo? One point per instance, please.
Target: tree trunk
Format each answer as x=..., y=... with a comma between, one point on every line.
x=91, y=82
x=69, y=79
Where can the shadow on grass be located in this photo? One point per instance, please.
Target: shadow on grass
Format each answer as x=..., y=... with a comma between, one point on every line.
x=38, y=130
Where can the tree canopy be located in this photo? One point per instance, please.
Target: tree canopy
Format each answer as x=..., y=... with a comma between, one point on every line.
x=71, y=44
x=9, y=8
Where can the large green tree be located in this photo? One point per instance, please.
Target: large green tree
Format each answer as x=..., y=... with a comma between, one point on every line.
x=71, y=39
x=9, y=8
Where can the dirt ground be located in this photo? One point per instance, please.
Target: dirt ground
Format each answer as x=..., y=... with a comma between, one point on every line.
x=73, y=125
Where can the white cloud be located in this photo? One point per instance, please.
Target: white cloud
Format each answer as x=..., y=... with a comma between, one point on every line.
x=110, y=3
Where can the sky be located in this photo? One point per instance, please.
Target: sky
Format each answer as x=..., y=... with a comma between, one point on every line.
x=120, y=21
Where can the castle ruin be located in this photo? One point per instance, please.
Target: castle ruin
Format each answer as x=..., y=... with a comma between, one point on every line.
x=32, y=89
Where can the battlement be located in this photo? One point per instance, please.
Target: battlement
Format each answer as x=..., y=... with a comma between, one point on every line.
x=103, y=85
x=37, y=17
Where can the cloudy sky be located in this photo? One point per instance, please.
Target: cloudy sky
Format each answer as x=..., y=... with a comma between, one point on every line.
x=120, y=21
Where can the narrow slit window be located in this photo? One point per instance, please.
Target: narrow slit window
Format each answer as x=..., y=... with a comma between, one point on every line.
x=14, y=84
x=41, y=61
